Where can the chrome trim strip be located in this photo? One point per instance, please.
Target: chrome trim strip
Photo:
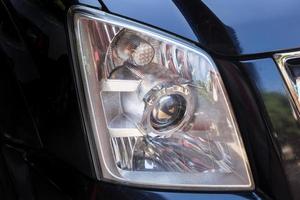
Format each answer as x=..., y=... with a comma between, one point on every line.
x=281, y=59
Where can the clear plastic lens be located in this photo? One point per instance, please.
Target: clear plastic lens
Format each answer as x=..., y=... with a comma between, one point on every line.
x=160, y=113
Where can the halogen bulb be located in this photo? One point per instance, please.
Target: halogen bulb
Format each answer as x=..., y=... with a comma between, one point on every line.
x=168, y=111
x=133, y=49
x=143, y=54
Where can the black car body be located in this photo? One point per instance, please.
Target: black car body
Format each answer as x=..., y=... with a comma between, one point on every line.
x=45, y=153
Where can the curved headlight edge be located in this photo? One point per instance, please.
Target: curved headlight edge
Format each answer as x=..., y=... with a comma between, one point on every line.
x=158, y=112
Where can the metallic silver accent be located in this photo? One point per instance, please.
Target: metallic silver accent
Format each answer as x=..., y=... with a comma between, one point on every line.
x=124, y=132
x=116, y=85
x=126, y=151
x=107, y=33
x=281, y=60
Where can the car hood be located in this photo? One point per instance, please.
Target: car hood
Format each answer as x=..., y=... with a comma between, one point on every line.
x=225, y=27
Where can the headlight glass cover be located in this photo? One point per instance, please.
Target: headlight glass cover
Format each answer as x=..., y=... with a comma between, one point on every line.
x=157, y=106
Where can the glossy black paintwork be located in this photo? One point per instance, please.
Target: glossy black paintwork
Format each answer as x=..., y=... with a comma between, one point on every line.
x=229, y=27
x=284, y=127
x=50, y=142
x=249, y=110
x=46, y=79
x=15, y=121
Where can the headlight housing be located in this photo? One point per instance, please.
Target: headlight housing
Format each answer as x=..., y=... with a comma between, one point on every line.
x=156, y=105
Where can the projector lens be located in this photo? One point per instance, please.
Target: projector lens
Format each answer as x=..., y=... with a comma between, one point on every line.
x=168, y=112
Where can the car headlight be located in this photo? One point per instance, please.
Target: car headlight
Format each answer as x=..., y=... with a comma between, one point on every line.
x=157, y=106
